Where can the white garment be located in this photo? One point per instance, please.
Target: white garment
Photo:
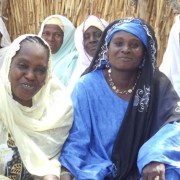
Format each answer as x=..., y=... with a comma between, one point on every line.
x=170, y=65
x=84, y=59
x=39, y=131
x=5, y=41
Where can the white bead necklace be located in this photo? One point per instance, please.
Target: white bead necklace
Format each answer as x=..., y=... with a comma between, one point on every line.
x=113, y=86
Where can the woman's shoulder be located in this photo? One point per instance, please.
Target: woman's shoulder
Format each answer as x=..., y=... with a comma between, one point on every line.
x=90, y=81
x=91, y=77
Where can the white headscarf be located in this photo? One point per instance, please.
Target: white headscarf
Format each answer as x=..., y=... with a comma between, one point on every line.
x=84, y=59
x=39, y=131
x=5, y=41
x=68, y=40
x=170, y=65
x=64, y=60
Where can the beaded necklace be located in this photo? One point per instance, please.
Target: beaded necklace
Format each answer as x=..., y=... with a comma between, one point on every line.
x=113, y=86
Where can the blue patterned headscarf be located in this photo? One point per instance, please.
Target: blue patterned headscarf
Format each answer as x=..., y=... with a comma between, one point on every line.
x=135, y=27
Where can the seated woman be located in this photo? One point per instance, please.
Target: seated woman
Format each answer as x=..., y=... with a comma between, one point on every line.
x=58, y=31
x=36, y=113
x=4, y=40
x=119, y=104
x=87, y=37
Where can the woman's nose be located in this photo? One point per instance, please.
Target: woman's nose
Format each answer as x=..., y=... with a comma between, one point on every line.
x=50, y=37
x=92, y=39
x=125, y=49
x=30, y=75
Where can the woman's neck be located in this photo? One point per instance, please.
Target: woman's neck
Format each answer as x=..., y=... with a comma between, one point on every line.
x=121, y=82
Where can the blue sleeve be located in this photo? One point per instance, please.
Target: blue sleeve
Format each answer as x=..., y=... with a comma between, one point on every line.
x=163, y=147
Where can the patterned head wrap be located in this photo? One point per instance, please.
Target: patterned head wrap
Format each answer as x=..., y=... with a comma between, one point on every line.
x=134, y=27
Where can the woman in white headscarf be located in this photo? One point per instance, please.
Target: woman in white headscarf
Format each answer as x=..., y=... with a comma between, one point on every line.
x=170, y=65
x=35, y=113
x=87, y=37
x=4, y=40
x=58, y=32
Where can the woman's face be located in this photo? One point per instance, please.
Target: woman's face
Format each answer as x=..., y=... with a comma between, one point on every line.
x=126, y=51
x=53, y=35
x=28, y=71
x=91, y=40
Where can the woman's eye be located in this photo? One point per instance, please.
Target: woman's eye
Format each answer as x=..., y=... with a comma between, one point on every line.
x=41, y=70
x=86, y=36
x=119, y=43
x=45, y=34
x=22, y=66
x=98, y=35
x=134, y=45
x=58, y=36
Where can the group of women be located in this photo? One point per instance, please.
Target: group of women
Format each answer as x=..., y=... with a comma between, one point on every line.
x=121, y=121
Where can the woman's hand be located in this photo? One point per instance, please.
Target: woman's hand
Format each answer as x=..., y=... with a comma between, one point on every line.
x=154, y=171
x=50, y=177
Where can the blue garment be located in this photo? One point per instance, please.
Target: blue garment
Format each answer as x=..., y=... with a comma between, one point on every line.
x=164, y=147
x=88, y=149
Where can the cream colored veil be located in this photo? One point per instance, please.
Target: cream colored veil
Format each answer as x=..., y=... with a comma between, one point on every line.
x=39, y=132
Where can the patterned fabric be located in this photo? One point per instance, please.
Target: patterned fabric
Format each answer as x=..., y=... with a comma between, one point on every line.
x=15, y=169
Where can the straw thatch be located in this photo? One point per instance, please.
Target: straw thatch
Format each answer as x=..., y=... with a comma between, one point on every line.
x=25, y=16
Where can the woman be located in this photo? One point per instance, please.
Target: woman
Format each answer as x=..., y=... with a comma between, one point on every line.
x=36, y=114
x=4, y=40
x=58, y=31
x=120, y=103
x=170, y=65
x=87, y=37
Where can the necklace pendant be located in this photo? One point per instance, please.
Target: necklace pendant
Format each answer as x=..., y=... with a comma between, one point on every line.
x=130, y=91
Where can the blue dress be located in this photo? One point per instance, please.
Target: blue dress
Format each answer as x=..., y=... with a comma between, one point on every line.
x=87, y=152
x=97, y=119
